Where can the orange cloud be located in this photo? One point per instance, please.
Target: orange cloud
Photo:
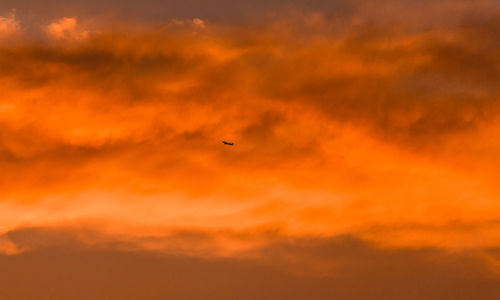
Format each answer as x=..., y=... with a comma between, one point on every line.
x=9, y=25
x=365, y=154
x=66, y=29
x=368, y=130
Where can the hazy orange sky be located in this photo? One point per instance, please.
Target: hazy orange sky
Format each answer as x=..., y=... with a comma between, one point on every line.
x=364, y=165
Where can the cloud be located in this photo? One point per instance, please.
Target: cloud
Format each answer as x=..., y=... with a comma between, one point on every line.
x=342, y=267
x=341, y=126
x=353, y=120
x=9, y=25
x=66, y=29
x=364, y=164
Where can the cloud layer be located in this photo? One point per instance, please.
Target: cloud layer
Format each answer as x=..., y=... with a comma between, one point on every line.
x=352, y=130
x=340, y=267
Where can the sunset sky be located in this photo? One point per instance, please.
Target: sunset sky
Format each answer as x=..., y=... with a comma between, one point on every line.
x=365, y=161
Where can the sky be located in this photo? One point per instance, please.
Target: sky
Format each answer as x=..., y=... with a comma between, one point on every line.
x=364, y=161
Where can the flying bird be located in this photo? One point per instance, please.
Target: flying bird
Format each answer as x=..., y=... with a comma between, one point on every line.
x=227, y=143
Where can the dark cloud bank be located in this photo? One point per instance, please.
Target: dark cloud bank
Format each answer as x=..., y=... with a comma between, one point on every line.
x=60, y=267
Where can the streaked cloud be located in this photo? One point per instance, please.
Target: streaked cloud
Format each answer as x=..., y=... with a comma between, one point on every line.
x=352, y=126
x=365, y=128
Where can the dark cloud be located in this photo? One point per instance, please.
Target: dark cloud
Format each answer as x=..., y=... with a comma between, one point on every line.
x=343, y=267
x=434, y=86
x=153, y=11
x=421, y=14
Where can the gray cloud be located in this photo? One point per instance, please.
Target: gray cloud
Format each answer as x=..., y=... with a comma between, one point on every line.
x=342, y=267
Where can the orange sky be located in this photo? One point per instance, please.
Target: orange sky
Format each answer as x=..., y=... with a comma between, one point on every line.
x=380, y=128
